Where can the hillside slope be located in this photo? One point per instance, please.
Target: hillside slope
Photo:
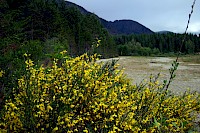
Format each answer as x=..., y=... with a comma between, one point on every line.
x=126, y=27
x=118, y=26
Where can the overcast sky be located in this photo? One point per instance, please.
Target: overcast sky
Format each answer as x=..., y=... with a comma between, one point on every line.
x=158, y=15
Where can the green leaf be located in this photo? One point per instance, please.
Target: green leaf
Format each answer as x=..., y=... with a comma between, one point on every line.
x=156, y=123
x=174, y=124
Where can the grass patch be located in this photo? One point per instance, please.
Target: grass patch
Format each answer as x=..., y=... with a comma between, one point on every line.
x=191, y=58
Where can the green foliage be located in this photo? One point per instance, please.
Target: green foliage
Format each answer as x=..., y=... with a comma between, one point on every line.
x=135, y=48
x=189, y=58
x=190, y=47
x=165, y=43
x=81, y=95
x=33, y=47
x=43, y=20
x=55, y=45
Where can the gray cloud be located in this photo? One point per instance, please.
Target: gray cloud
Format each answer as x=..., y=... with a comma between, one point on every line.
x=157, y=15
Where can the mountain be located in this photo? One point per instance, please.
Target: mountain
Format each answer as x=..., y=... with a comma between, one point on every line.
x=81, y=9
x=117, y=27
x=126, y=27
x=164, y=32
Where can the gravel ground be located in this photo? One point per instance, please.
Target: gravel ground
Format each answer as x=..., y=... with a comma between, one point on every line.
x=140, y=68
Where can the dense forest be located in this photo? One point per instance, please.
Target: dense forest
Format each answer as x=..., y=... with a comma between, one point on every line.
x=155, y=44
x=51, y=20
x=43, y=28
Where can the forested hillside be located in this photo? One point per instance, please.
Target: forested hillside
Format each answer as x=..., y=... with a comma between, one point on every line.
x=26, y=20
x=44, y=28
x=117, y=27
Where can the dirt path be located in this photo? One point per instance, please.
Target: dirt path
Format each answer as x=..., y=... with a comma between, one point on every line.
x=139, y=68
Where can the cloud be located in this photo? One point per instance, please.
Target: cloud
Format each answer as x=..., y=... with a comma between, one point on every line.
x=194, y=27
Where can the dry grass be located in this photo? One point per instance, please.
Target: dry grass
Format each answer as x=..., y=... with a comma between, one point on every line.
x=191, y=59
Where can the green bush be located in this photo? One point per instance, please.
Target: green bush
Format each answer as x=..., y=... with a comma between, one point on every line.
x=136, y=49
x=84, y=96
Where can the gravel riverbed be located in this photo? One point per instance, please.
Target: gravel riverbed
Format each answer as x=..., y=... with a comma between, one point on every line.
x=140, y=68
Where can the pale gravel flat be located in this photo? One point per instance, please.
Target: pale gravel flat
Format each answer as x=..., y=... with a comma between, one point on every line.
x=140, y=68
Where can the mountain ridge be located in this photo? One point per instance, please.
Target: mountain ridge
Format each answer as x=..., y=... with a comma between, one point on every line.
x=164, y=32
x=117, y=27
x=126, y=26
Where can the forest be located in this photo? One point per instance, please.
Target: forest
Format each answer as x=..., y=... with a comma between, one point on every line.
x=167, y=44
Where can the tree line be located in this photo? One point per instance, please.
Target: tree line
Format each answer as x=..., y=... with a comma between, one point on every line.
x=153, y=44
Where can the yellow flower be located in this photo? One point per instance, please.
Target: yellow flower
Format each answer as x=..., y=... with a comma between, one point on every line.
x=41, y=100
x=98, y=41
x=55, y=129
x=47, y=125
x=38, y=124
x=26, y=55
x=29, y=63
x=144, y=131
x=69, y=131
x=72, y=106
x=63, y=52
x=95, y=129
x=1, y=73
x=85, y=130
x=49, y=108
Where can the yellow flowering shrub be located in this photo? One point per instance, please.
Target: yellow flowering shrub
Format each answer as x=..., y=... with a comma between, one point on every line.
x=80, y=95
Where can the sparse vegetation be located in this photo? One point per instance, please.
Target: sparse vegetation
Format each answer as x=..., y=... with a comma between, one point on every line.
x=191, y=58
